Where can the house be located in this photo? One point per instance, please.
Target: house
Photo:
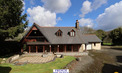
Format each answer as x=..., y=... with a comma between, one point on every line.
x=59, y=39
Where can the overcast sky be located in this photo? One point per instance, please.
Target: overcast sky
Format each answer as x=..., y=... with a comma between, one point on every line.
x=98, y=14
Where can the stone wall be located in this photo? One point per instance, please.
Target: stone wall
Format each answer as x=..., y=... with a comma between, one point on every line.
x=82, y=48
x=72, y=53
x=15, y=57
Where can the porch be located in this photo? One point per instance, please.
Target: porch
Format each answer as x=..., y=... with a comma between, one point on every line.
x=35, y=59
x=52, y=48
x=58, y=53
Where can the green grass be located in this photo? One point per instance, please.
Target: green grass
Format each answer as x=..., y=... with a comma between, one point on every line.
x=59, y=63
x=107, y=44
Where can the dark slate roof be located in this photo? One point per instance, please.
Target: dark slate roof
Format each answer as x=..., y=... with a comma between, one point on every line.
x=91, y=38
x=79, y=38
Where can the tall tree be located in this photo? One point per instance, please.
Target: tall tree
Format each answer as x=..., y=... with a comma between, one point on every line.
x=116, y=36
x=101, y=34
x=12, y=20
x=87, y=30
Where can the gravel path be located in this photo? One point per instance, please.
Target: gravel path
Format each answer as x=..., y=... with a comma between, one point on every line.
x=115, y=52
x=86, y=61
x=82, y=65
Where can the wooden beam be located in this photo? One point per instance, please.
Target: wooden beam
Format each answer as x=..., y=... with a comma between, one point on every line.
x=29, y=49
x=36, y=49
x=65, y=48
x=78, y=47
x=72, y=48
x=21, y=50
x=43, y=48
x=34, y=28
x=27, y=35
x=85, y=47
x=50, y=48
x=58, y=48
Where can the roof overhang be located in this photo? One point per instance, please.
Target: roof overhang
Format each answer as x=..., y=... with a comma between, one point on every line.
x=37, y=43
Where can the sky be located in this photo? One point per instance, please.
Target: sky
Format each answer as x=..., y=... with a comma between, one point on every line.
x=97, y=14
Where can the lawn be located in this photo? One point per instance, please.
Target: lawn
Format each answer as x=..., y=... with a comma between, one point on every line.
x=59, y=63
x=107, y=44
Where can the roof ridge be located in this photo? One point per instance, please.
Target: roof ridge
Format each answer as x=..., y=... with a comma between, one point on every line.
x=90, y=34
x=54, y=26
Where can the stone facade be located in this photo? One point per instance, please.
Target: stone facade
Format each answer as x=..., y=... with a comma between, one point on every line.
x=96, y=46
x=82, y=48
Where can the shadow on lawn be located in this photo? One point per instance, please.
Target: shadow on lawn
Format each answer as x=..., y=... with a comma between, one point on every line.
x=5, y=69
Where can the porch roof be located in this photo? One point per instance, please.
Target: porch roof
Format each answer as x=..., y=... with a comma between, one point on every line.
x=38, y=43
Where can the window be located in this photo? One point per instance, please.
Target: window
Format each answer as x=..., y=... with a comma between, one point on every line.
x=75, y=49
x=72, y=33
x=68, y=49
x=59, y=33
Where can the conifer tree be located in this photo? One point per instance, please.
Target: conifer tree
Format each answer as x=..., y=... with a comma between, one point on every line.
x=12, y=19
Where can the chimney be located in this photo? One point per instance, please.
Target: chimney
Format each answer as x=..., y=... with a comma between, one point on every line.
x=77, y=25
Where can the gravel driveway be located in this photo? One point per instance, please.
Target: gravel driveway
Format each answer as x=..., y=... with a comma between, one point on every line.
x=107, y=60
x=81, y=65
x=117, y=54
x=114, y=52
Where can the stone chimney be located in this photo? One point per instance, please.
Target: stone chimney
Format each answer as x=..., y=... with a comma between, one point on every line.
x=77, y=24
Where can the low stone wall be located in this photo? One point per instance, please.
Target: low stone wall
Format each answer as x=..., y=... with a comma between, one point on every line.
x=13, y=58
x=35, y=54
x=73, y=53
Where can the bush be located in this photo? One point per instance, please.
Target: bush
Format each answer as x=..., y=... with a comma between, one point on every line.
x=77, y=59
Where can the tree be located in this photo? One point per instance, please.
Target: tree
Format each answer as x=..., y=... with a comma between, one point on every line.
x=87, y=30
x=12, y=20
x=107, y=39
x=116, y=36
x=101, y=34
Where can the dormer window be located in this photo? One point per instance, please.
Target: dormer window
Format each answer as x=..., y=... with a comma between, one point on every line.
x=59, y=33
x=72, y=33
